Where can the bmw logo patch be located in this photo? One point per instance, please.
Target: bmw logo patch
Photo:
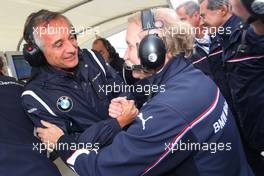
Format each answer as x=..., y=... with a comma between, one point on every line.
x=64, y=104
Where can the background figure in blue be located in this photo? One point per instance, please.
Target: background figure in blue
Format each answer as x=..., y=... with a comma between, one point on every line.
x=244, y=66
x=220, y=21
x=104, y=47
x=71, y=88
x=191, y=111
x=18, y=155
x=110, y=55
x=190, y=12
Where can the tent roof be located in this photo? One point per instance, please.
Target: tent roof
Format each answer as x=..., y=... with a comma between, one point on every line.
x=105, y=17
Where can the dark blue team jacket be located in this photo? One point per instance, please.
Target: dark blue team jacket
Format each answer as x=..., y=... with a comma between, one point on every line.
x=245, y=75
x=191, y=110
x=18, y=156
x=76, y=101
x=216, y=61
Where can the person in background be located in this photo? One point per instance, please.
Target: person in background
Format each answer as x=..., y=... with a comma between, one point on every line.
x=243, y=58
x=190, y=12
x=110, y=55
x=104, y=47
x=254, y=11
x=220, y=22
x=21, y=152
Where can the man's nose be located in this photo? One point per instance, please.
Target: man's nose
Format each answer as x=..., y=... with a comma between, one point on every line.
x=71, y=46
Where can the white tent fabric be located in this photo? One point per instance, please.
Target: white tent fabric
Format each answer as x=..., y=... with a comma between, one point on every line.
x=13, y=14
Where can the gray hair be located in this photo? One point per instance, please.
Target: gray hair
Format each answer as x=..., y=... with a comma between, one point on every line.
x=42, y=17
x=190, y=7
x=216, y=4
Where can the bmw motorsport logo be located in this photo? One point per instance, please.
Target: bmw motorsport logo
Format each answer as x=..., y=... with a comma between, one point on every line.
x=64, y=104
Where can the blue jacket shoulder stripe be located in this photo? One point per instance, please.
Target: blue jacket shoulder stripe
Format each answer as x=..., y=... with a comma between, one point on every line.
x=245, y=58
x=199, y=60
x=215, y=53
x=36, y=97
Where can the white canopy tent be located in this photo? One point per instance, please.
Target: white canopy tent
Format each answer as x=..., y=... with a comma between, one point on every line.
x=104, y=17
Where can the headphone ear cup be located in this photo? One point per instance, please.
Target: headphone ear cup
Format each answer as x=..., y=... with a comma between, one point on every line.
x=152, y=51
x=33, y=55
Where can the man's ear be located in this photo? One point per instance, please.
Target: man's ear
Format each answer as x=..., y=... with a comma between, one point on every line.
x=224, y=10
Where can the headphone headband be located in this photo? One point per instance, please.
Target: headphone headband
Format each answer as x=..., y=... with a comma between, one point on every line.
x=147, y=19
x=151, y=49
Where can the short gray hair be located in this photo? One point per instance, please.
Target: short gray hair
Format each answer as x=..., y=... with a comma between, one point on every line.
x=216, y=4
x=37, y=18
x=190, y=7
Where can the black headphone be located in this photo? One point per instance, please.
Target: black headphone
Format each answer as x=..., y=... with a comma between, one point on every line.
x=151, y=50
x=32, y=53
x=255, y=7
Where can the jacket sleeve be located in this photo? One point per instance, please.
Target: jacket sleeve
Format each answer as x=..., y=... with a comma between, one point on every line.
x=141, y=148
x=102, y=132
x=37, y=109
